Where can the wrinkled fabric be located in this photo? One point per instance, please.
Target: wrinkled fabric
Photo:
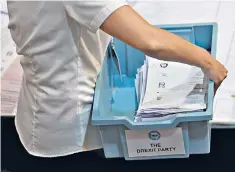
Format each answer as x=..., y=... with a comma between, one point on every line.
x=62, y=50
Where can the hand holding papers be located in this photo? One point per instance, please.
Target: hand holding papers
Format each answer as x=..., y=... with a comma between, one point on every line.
x=165, y=88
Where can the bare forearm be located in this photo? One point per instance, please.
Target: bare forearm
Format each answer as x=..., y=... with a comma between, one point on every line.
x=126, y=25
x=155, y=42
x=171, y=47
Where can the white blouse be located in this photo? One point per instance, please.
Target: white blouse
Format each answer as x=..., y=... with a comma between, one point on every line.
x=63, y=51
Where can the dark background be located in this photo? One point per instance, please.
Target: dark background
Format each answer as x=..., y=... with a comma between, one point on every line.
x=15, y=159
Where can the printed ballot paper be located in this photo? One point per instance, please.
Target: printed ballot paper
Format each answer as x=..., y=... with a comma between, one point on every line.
x=165, y=88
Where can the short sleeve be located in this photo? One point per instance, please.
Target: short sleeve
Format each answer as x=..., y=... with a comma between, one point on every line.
x=91, y=14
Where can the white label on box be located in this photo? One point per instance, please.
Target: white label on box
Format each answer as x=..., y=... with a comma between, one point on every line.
x=155, y=142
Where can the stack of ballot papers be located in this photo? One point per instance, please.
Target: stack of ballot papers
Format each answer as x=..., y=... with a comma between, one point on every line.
x=166, y=88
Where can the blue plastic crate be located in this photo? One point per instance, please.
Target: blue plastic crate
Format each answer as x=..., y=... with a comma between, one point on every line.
x=115, y=102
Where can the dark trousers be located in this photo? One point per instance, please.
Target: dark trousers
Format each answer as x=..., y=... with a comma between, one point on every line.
x=15, y=159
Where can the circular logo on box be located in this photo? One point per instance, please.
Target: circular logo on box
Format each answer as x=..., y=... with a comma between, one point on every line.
x=163, y=65
x=154, y=135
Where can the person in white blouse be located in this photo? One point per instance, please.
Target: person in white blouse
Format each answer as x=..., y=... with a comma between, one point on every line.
x=63, y=45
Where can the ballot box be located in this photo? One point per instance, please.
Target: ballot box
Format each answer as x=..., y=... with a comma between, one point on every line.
x=115, y=106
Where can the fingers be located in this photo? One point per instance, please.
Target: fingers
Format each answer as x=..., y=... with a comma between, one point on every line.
x=216, y=86
x=220, y=80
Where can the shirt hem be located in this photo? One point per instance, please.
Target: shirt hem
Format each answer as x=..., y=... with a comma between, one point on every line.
x=76, y=149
